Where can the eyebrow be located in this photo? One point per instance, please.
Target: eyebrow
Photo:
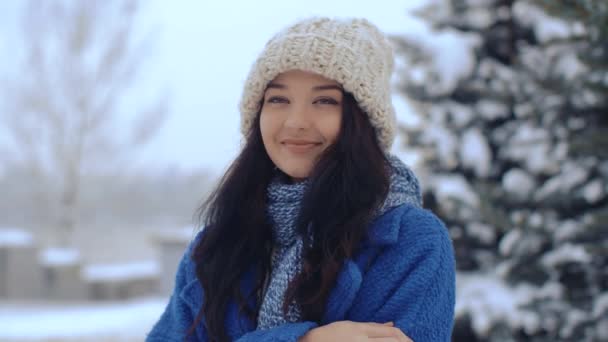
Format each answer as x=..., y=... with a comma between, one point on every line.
x=316, y=88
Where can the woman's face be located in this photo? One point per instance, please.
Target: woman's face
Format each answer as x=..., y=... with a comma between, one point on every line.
x=301, y=117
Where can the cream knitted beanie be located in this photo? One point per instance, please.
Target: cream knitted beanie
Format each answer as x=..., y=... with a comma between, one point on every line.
x=353, y=52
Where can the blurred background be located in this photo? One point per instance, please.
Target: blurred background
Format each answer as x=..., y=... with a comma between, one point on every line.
x=118, y=116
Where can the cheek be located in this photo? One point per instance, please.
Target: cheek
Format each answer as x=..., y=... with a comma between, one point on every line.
x=268, y=128
x=330, y=127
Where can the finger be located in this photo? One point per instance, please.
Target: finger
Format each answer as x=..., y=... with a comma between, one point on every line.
x=384, y=339
x=378, y=330
x=402, y=336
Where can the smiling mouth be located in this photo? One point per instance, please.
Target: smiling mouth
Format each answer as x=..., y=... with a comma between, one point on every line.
x=300, y=147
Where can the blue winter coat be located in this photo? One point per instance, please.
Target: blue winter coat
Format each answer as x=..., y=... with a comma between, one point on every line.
x=404, y=272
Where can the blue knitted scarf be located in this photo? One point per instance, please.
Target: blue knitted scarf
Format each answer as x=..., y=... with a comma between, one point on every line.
x=283, y=207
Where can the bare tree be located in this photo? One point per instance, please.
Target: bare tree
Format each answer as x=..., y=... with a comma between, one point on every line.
x=80, y=60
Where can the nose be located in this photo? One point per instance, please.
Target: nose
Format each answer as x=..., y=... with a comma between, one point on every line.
x=297, y=118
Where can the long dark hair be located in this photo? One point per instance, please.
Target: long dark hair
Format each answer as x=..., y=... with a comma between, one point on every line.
x=349, y=181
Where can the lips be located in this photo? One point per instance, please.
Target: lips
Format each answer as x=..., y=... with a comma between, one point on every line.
x=299, y=146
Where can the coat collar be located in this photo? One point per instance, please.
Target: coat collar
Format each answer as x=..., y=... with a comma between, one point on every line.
x=384, y=230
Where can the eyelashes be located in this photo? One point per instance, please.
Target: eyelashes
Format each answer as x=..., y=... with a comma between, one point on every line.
x=276, y=99
x=321, y=101
x=327, y=100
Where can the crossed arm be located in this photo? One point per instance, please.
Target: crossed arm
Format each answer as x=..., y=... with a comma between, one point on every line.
x=417, y=295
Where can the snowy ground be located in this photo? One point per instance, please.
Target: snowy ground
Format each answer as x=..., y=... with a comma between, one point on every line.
x=83, y=322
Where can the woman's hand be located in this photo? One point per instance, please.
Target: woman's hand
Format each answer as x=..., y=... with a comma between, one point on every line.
x=357, y=332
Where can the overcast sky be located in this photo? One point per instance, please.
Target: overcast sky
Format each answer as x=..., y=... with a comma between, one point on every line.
x=202, y=54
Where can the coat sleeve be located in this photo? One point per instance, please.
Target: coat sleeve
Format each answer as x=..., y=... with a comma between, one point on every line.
x=414, y=280
x=177, y=316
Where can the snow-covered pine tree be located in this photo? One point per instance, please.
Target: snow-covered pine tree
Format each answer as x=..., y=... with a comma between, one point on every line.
x=514, y=142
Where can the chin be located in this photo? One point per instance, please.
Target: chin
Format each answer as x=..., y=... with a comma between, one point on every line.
x=297, y=172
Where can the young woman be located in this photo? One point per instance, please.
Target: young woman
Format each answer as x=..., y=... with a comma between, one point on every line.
x=316, y=233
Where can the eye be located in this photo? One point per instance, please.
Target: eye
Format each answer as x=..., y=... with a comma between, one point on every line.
x=276, y=99
x=326, y=101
